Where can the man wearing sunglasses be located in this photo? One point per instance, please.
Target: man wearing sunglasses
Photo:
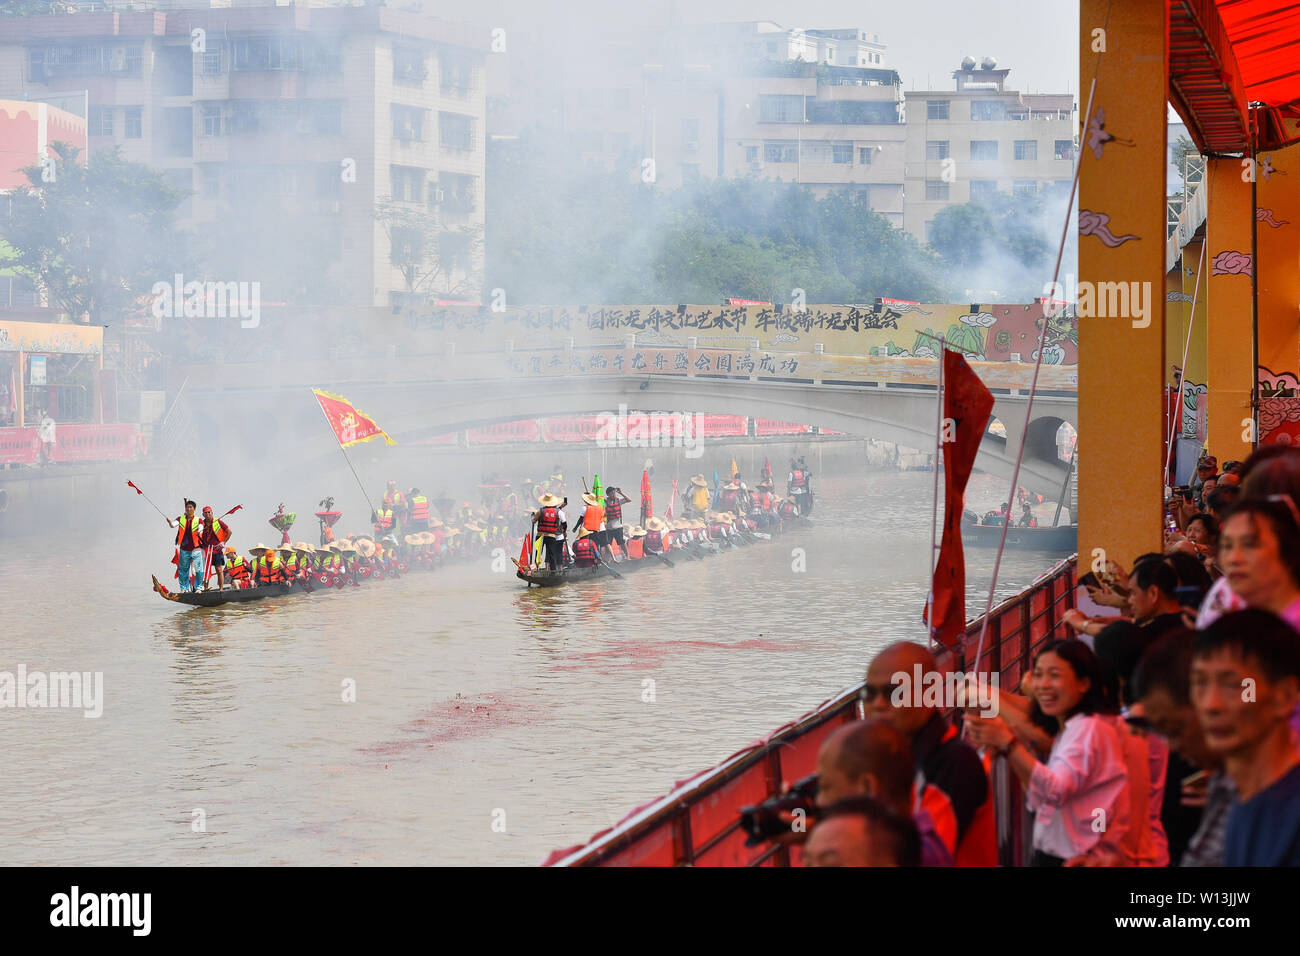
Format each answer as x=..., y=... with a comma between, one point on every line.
x=952, y=782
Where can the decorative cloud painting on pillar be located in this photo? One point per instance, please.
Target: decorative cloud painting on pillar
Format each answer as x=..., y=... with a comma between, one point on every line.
x=1231, y=263
x=1266, y=216
x=1279, y=408
x=1098, y=224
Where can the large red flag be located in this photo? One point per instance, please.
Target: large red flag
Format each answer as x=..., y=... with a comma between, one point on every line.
x=350, y=426
x=967, y=405
x=647, y=501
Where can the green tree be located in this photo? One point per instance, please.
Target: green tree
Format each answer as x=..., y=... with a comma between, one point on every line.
x=960, y=234
x=97, y=237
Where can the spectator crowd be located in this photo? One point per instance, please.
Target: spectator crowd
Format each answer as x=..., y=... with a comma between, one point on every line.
x=1162, y=731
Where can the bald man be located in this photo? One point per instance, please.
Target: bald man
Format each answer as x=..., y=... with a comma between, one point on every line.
x=871, y=758
x=952, y=780
x=861, y=831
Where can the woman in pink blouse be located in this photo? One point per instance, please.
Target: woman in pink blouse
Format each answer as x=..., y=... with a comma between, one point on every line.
x=1080, y=796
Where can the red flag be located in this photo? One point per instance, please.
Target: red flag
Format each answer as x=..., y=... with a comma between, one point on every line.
x=647, y=501
x=526, y=555
x=132, y=484
x=967, y=404
x=350, y=426
x=668, y=515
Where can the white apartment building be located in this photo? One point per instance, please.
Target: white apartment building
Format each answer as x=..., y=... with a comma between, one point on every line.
x=980, y=138
x=319, y=113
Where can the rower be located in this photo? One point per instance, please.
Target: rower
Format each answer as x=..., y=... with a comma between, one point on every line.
x=419, y=520
x=797, y=485
x=585, y=552
x=267, y=568
x=552, y=527
x=236, y=569
x=635, y=542
x=306, y=556
x=1027, y=519
x=654, y=535
x=384, y=518
x=729, y=499
x=789, y=509
x=396, y=501
x=289, y=559
x=593, y=518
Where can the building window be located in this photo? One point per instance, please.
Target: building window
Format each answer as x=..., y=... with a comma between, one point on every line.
x=408, y=124
x=690, y=134
x=211, y=181
x=1026, y=149
x=133, y=117
x=455, y=131
x=842, y=152
x=866, y=154
x=132, y=62
x=983, y=150
x=982, y=190
x=456, y=193
x=212, y=121
x=988, y=110
x=457, y=73
x=408, y=183
x=751, y=154
x=936, y=149
x=780, y=151
x=408, y=66
x=211, y=60
x=780, y=109
x=936, y=189
x=1025, y=187
x=936, y=109
x=101, y=121
x=1063, y=149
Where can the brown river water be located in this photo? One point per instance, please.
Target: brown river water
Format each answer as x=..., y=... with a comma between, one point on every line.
x=491, y=723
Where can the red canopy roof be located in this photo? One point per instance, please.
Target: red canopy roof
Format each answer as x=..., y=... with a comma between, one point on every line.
x=1226, y=53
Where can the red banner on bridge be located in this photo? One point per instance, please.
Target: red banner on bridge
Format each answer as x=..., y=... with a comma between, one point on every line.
x=770, y=426
x=19, y=446
x=95, y=442
x=526, y=430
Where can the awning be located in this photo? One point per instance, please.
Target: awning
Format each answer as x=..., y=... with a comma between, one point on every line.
x=1225, y=54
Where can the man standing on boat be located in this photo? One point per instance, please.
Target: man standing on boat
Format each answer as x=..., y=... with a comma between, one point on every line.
x=697, y=496
x=419, y=514
x=189, y=544
x=798, y=486
x=614, y=501
x=593, y=519
x=213, y=539
x=552, y=526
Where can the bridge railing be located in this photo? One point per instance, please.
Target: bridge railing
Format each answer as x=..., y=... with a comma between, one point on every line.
x=698, y=822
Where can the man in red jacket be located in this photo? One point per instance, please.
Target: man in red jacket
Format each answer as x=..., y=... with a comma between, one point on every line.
x=212, y=538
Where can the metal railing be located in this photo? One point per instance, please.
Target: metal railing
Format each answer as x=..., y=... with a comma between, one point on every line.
x=698, y=823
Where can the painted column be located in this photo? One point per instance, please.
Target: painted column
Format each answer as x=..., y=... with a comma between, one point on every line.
x=1122, y=241
x=1277, y=249
x=1230, y=344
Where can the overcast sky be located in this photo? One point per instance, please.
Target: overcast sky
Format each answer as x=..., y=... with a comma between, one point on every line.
x=925, y=39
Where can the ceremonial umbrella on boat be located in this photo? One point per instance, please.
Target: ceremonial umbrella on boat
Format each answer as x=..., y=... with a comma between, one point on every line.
x=282, y=521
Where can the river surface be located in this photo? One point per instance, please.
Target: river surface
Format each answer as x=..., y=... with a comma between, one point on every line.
x=492, y=723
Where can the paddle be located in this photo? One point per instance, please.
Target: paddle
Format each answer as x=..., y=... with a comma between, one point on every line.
x=664, y=559
x=606, y=566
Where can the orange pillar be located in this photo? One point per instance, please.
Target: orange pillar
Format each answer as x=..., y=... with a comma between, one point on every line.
x=1122, y=240
x=1277, y=247
x=1231, y=343
x=1185, y=333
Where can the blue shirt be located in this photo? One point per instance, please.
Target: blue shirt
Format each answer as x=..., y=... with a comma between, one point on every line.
x=1265, y=830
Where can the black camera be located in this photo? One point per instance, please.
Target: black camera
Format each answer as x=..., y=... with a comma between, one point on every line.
x=768, y=820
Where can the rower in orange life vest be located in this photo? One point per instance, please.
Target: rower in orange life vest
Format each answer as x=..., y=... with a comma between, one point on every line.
x=764, y=503
x=213, y=538
x=384, y=519
x=788, y=509
x=189, y=542
x=636, y=542
x=236, y=569
x=593, y=519
x=585, y=552
x=654, y=535
x=267, y=568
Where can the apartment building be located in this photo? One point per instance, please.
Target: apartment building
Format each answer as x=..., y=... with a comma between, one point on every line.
x=320, y=115
x=980, y=138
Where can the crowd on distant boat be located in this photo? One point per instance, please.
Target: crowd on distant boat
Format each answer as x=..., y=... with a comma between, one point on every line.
x=409, y=530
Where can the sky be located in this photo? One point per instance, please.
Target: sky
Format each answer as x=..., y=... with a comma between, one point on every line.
x=925, y=39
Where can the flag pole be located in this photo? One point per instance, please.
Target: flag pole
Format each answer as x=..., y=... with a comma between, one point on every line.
x=345, y=453
x=934, y=513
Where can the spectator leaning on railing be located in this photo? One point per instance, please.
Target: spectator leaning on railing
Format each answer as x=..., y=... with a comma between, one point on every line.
x=1244, y=685
x=1080, y=795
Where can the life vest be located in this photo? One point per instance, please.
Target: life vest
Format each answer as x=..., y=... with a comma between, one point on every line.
x=237, y=568
x=584, y=552
x=592, y=517
x=718, y=529
x=613, y=509
x=788, y=510
x=729, y=500
x=191, y=529
x=218, y=529
x=419, y=508
x=800, y=479
x=636, y=548
x=269, y=571
x=291, y=566
x=654, y=542
x=385, y=521
x=764, y=500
